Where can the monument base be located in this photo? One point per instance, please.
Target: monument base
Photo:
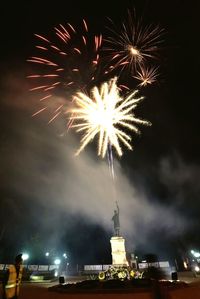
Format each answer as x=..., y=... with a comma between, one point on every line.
x=118, y=251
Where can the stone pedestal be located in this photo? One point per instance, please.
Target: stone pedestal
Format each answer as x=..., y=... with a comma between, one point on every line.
x=118, y=251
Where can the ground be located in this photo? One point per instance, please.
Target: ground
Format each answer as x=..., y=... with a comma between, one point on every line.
x=42, y=291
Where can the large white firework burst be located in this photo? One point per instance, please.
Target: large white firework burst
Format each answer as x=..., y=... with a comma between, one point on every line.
x=106, y=114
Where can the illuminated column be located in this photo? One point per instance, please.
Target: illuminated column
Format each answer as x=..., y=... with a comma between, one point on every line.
x=118, y=251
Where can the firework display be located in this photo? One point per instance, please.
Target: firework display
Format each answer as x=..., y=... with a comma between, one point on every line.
x=81, y=72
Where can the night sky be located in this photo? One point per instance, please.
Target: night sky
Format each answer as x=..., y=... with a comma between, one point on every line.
x=51, y=199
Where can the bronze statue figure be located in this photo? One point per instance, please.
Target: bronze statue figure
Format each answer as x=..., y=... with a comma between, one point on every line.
x=115, y=220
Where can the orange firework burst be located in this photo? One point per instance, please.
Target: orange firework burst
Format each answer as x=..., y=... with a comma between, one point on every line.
x=69, y=62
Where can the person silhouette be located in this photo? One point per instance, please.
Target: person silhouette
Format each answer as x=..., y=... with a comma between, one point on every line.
x=12, y=279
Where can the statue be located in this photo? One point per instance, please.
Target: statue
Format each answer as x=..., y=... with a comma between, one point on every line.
x=115, y=220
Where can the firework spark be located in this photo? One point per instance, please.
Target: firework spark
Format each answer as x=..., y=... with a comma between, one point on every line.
x=132, y=45
x=146, y=75
x=106, y=114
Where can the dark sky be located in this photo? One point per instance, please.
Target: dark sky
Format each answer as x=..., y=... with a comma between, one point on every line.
x=66, y=202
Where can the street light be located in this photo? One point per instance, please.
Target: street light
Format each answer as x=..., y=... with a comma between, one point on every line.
x=65, y=255
x=25, y=256
x=57, y=261
x=47, y=254
x=195, y=253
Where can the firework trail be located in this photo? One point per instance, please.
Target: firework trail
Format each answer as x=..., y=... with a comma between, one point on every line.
x=66, y=62
x=129, y=48
x=106, y=114
x=110, y=161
